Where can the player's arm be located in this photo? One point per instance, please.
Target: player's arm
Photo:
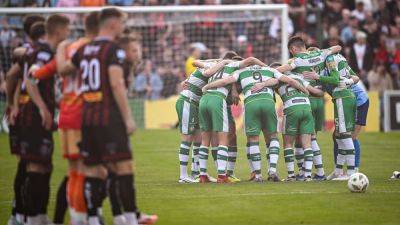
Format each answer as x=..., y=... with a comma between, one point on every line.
x=315, y=91
x=333, y=50
x=65, y=66
x=117, y=83
x=14, y=108
x=261, y=85
x=250, y=61
x=44, y=72
x=202, y=63
x=235, y=94
x=293, y=83
x=214, y=69
x=333, y=77
x=290, y=65
x=33, y=91
x=221, y=82
x=12, y=77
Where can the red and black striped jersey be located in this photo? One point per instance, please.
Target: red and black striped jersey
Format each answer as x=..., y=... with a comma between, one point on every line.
x=39, y=53
x=93, y=61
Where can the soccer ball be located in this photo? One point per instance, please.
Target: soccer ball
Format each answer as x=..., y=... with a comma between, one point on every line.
x=358, y=182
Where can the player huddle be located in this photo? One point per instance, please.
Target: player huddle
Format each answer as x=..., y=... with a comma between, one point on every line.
x=205, y=118
x=95, y=120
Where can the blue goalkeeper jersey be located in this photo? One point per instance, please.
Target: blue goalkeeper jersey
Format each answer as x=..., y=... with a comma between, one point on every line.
x=360, y=93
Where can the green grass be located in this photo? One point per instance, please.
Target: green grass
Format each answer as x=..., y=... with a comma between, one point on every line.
x=325, y=203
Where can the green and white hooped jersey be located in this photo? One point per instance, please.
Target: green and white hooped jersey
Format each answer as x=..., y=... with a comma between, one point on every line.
x=225, y=72
x=309, y=61
x=291, y=97
x=249, y=76
x=196, y=82
x=345, y=72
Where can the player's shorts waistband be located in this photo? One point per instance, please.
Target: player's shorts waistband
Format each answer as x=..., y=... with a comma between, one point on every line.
x=217, y=94
x=182, y=97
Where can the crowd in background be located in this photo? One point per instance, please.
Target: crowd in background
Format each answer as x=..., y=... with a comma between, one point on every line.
x=368, y=30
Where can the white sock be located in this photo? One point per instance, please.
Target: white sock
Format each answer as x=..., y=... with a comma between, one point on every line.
x=20, y=218
x=255, y=157
x=317, y=159
x=195, y=159
x=273, y=155
x=341, y=157
x=222, y=159
x=131, y=218
x=299, y=155
x=308, y=161
x=289, y=161
x=93, y=220
x=249, y=158
x=203, y=157
x=33, y=220
x=183, y=158
x=119, y=220
x=214, y=153
x=232, y=155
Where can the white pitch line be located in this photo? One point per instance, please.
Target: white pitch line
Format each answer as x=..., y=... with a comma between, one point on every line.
x=6, y=202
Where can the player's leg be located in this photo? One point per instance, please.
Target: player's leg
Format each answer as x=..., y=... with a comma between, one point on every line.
x=361, y=121
x=63, y=199
x=344, y=125
x=306, y=130
x=220, y=123
x=288, y=153
x=317, y=159
x=206, y=132
x=269, y=123
x=183, y=109
x=214, y=147
x=299, y=156
x=195, y=170
x=252, y=124
x=38, y=144
x=318, y=113
x=232, y=148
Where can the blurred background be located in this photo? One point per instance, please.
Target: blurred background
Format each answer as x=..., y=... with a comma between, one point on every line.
x=368, y=31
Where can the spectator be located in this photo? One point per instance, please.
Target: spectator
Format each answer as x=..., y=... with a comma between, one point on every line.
x=333, y=38
x=243, y=47
x=395, y=73
x=359, y=12
x=361, y=57
x=195, y=53
x=6, y=35
x=348, y=32
x=379, y=79
x=148, y=83
x=120, y=2
x=90, y=3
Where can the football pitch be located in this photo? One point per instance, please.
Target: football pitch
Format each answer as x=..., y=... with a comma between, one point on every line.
x=156, y=164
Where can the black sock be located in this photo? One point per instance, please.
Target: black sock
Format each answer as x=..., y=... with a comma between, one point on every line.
x=127, y=193
x=93, y=194
x=19, y=181
x=113, y=195
x=33, y=195
x=45, y=193
x=61, y=202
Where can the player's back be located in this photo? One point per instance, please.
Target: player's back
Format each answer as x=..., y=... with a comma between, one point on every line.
x=39, y=53
x=71, y=101
x=308, y=61
x=291, y=97
x=251, y=75
x=94, y=60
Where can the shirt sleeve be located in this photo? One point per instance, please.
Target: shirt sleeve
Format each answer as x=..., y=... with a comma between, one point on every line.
x=333, y=77
x=236, y=75
x=75, y=59
x=116, y=56
x=232, y=67
x=276, y=73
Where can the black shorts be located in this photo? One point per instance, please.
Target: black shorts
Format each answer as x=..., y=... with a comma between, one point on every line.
x=13, y=137
x=36, y=144
x=362, y=112
x=105, y=144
